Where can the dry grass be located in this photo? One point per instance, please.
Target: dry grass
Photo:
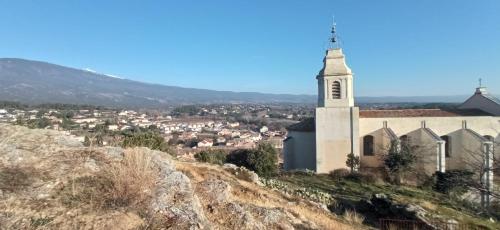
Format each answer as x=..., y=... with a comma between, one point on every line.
x=353, y=217
x=132, y=179
x=127, y=183
x=244, y=192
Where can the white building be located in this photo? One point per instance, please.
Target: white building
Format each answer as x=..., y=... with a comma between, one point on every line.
x=205, y=143
x=452, y=138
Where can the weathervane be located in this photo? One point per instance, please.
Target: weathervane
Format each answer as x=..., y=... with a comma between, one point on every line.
x=334, y=43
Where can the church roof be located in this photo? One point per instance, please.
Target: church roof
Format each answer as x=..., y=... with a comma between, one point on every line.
x=492, y=98
x=306, y=125
x=422, y=113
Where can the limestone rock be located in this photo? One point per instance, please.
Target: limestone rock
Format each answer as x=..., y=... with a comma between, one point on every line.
x=42, y=191
x=243, y=173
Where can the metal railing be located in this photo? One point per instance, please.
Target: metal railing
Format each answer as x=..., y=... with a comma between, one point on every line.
x=398, y=224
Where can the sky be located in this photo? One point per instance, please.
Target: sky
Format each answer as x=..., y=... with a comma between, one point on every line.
x=394, y=47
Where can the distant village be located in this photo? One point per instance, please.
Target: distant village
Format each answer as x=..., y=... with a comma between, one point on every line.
x=188, y=129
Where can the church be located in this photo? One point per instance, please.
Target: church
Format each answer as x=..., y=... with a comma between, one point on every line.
x=447, y=138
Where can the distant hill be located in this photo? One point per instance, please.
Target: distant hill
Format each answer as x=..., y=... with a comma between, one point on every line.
x=35, y=82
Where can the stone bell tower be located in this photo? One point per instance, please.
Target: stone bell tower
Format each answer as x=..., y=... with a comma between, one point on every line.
x=337, y=119
x=335, y=81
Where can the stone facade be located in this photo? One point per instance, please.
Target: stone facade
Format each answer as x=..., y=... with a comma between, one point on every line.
x=446, y=139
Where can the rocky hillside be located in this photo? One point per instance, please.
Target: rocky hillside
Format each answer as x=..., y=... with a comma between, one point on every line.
x=50, y=181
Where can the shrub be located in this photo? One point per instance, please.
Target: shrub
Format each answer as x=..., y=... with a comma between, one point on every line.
x=361, y=177
x=211, y=156
x=262, y=160
x=352, y=161
x=454, y=182
x=39, y=123
x=305, y=172
x=338, y=174
x=146, y=139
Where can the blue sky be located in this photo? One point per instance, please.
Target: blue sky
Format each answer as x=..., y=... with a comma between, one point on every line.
x=394, y=47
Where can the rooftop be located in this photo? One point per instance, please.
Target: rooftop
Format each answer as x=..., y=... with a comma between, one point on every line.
x=422, y=113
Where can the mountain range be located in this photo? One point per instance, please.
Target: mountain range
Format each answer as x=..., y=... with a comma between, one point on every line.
x=35, y=82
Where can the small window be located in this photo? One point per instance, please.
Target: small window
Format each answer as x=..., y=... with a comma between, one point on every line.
x=336, y=90
x=447, y=144
x=368, y=145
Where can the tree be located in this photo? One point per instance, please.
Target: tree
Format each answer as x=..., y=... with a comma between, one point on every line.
x=146, y=139
x=399, y=159
x=67, y=123
x=352, y=161
x=453, y=182
x=262, y=160
x=480, y=160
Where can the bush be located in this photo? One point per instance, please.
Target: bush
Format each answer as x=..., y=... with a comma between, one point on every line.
x=262, y=160
x=454, y=182
x=147, y=139
x=211, y=156
x=361, y=177
x=39, y=123
x=352, y=161
x=338, y=174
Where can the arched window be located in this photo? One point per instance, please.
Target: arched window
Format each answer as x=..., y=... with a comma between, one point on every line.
x=447, y=145
x=336, y=90
x=368, y=145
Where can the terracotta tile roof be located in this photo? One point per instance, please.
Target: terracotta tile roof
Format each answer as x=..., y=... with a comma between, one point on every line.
x=306, y=125
x=421, y=113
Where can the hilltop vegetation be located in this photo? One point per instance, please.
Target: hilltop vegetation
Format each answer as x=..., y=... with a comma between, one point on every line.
x=362, y=198
x=51, y=181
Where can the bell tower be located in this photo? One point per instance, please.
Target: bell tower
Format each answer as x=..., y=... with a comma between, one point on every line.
x=335, y=81
x=335, y=78
x=337, y=129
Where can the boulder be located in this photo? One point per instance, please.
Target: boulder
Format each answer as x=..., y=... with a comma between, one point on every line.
x=243, y=173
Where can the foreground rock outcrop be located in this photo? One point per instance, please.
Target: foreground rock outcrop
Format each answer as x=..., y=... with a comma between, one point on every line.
x=51, y=181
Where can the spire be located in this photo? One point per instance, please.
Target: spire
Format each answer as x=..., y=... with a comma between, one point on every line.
x=334, y=41
x=481, y=89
